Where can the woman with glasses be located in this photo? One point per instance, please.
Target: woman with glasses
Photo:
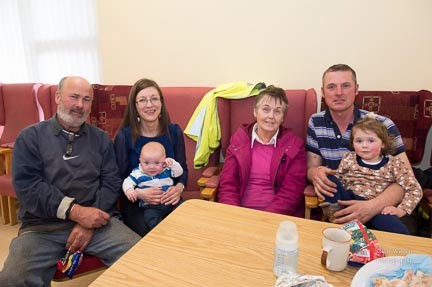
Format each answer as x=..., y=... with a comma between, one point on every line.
x=146, y=120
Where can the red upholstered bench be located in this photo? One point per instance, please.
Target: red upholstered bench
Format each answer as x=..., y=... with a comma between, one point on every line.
x=89, y=265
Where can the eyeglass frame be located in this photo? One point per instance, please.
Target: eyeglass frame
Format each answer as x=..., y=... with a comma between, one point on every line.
x=69, y=148
x=144, y=101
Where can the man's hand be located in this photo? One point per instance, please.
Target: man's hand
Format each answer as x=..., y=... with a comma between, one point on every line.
x=79, y=238
x=323, y=186
x=318, y=176
x=363, y=210
x=89, y=217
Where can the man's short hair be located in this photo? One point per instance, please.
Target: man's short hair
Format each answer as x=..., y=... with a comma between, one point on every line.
x=61, y=83
x=341, y=68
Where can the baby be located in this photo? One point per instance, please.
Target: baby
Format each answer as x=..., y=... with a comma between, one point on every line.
x=154, y=170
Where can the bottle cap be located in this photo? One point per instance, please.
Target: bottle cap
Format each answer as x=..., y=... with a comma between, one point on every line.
x=287, y=236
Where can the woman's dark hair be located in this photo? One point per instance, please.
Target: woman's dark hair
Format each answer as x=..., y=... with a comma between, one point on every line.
x=130, y=117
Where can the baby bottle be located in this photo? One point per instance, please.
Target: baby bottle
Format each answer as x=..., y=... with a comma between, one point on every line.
x=286, y=248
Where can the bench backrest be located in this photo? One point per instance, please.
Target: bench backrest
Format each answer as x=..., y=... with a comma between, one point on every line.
x=233, y=113
x=18, y=109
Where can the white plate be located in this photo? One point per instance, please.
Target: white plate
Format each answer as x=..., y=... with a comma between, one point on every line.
x=381, y=265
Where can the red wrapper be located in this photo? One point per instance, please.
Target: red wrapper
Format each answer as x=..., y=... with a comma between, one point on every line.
x=364, y=246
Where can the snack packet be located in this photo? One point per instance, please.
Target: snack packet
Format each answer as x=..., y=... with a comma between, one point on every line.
x=69, y=263
x=364, y=246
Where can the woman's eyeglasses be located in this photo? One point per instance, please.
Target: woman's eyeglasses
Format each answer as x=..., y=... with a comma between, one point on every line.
x=144, y=101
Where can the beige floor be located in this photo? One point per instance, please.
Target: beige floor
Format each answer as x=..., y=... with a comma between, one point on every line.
x=8, y=232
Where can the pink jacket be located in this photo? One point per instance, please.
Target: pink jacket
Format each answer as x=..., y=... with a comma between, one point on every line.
x=288, y=170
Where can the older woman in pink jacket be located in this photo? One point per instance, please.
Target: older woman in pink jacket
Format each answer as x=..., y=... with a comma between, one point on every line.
x=265, y=164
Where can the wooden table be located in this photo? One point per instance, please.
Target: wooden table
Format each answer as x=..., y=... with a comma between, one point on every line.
x=211, y=244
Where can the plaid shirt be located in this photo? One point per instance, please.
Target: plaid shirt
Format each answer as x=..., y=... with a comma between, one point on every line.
x=325, y=139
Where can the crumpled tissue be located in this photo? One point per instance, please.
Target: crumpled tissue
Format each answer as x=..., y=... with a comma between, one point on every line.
x=291, y=279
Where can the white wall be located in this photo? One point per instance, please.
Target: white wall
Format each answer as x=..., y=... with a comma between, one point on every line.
x=284, y=42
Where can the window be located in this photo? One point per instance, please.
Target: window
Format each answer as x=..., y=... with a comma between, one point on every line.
x=44, y=40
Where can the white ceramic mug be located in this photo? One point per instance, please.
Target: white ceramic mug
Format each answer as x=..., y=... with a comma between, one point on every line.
x=335, y=248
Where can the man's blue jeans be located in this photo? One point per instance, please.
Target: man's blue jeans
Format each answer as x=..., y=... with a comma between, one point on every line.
x=33, y=255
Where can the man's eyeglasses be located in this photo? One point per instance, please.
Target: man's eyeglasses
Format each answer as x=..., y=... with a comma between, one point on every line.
x=144, y=101
x=69, y=149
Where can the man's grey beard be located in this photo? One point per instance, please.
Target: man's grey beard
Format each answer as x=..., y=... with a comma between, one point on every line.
x=68, y=118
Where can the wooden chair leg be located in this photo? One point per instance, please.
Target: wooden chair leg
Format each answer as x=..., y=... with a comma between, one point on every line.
x=307, y=213
x=311, y=202
x=12, y=202
x=4, y=209
x=8, y=162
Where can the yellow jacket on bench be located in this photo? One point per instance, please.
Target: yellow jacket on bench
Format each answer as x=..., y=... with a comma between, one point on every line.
x=204, y=126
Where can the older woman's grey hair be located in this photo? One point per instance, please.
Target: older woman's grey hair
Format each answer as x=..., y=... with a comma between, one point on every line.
x=272, y=92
